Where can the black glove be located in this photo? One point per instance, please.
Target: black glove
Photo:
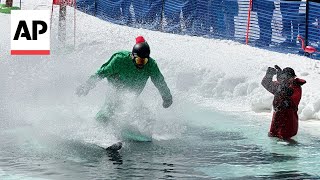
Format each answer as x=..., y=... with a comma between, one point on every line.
x=271, y=71
x=83, y=89
x=279, y=71
x=167, y=102
x=277, y=68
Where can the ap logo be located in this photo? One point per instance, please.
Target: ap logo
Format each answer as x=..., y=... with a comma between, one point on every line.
x=30, y=32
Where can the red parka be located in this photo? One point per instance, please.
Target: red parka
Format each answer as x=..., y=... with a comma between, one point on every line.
x=287, y=97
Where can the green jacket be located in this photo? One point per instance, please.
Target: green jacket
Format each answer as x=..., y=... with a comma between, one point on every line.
x=123, y=74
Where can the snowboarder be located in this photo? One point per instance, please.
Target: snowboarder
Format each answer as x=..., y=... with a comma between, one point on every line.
x=127, y=70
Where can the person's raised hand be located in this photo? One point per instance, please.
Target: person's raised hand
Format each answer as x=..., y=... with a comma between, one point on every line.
x=271, y=71
x=277, y=68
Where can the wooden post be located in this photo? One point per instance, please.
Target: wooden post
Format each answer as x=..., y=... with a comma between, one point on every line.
x=9, y=3
x=62, y=21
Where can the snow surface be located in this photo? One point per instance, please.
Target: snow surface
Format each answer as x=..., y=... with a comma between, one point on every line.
x=217, y=74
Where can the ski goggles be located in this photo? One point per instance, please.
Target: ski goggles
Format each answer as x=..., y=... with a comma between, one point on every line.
x=140, y=61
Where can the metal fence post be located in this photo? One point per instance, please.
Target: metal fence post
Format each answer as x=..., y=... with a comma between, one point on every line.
x=62, y=21
x=307, y=22
x=161, y=16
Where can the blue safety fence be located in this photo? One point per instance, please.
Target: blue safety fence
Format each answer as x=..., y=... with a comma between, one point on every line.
x=314, y=25
x=214, y=18
x=273, y=24
x=178, y=15
x=113, y=11
x=241, y=20
x=277, y=24
x=147, y=14
x=87, y=6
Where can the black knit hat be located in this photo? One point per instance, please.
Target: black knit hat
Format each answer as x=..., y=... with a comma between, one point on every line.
x=289, y=72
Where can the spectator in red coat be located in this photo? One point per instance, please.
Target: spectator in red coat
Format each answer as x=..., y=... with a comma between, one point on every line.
x=287, y=94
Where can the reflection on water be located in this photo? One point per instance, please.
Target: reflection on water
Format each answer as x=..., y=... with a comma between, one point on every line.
x=204, y=152
x=115, y=157
x=285, y=175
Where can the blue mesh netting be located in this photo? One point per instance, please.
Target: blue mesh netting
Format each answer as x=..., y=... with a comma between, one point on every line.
x=147, y=14
x=314, y=24
x=273, y=24
x=215, y=18
x=178, y=15
x=87, y=6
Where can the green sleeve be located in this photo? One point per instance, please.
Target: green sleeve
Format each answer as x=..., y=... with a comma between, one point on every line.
x=105, y=70
x=108, y=68
x=158, y=80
